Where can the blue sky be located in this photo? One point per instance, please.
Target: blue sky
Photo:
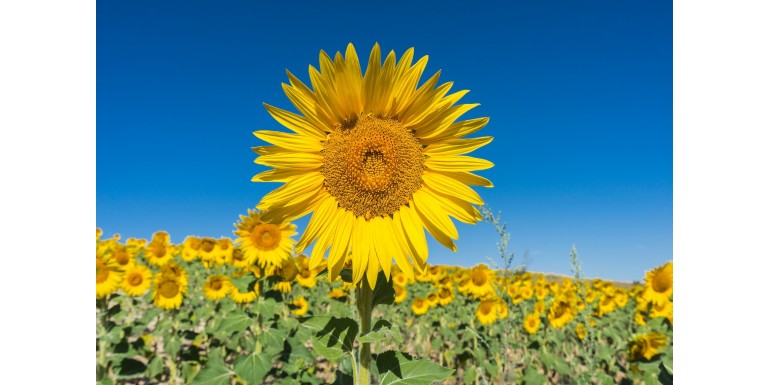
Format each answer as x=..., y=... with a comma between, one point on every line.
x=579, y=96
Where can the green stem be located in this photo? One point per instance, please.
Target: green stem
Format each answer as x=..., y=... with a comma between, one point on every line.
x=364, y=303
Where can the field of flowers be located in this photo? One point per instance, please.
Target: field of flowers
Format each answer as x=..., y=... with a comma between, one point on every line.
x=201, y=312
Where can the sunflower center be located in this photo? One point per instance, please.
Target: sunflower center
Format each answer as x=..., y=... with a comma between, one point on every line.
x=485, y=308
x=662, y=282
x=121, y=257
x=266, y=236
x=479, y=278
x=169, y=289
x=216, y=285
x=207, y=245
x=372, y=167
x=135, y=279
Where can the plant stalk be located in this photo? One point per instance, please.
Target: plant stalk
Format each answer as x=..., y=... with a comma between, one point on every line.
x=364, y=296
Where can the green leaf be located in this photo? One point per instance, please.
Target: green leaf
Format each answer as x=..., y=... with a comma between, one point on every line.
x=381, y=330
x=343, y=379
x=106, y=381
x=397, y=368
x=253, y=367
x=665, y=376
x=172, y=345
x=267, y=307
x=532, y=377
x=556, y=363
x=189, y=370
x=470, y=375
x=129, y=368
x=155, y=367
x=383, y=291
x=214, y=373
x=235, y=322
x=332, y=337
x=272, y=340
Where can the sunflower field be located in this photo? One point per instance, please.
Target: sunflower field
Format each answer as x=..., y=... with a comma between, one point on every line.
x=196, y=313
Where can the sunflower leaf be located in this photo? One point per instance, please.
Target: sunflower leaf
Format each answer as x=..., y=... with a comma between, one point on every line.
x=383, y=291
x=213, y=373
x=253, y=367
x=235, y=322
x=332, y=337
x=381, y=330
x=396, y=368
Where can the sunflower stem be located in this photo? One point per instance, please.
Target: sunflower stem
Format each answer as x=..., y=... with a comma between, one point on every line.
x=364, y=304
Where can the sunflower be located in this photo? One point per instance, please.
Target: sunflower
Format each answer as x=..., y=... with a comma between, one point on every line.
x=208, y=249
x=541, y=291
x=283, y=286
x=487, y=312
x=663, y=310
x=401, y=294
x=306, y=278
x=217, y=287
x=639, y=319
x=169, y=291
x=173, y=271
x=400, y=279
x=420, y=306
x=532, y=323
x=560, y=313
x=122, y=257
x=265, y=242
x=445, y=295
x=224, y=250
x=659, y=284
x=606, y=305
x=190, y=248
x=376, y=160
x=540, y=307
x=581, y=331
x=244, y=297
x=161, y=237
x=157, y=253
x=645, y=345
x=479, y=284
x=137, y=280
x=301, y=307
x=501, y=309
x=337, y=293
x=107, y=277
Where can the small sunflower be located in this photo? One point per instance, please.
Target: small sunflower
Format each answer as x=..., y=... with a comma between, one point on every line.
x=606, y=305
x=663, y=310
x=445, y=295
x=190, y=248
x=560, y=313
x=532, y=323
x=245, y=296
x=501, y=309
x=208, y=250
x=337, y=293
x=420, y=306
x=169, y=291
x=376, y=160
x=306, y=278
x=173, y=271
x=581, y=331
x=400, y=279
x=108, y=277
x=265, y=242
x=432, y=299
x=301, y=306
x=479, y=284
x=487, y=311
x=158, y=254
x=540, y=307
x=659, y=283
x=217, y=287
x=137, y=280
x=122, y=257
x=645, y=346
x=401, y=294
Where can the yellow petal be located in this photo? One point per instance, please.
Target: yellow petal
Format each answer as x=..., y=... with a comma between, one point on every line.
x=449, y=186
x=456, y=163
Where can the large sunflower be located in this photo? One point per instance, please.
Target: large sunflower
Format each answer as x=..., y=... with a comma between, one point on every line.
x=659, y=284
x=137, y=280
x=376, y=159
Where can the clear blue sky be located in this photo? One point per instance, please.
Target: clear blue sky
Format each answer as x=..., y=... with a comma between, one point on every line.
x=579, y=95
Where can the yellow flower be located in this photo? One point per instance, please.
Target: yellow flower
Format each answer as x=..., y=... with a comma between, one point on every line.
x=445, y=295
x=479, y=284
x=157, y=254
x=306, y=278
x=663, y=310
x=169, y=291
x=432, y=299
x=532, y=323
x=123, y=258
x=639, y=319
x=376, y=160
x=173, y=271
x=400, y=280
x=208, y=250
x=606, y=305
x=265, y=242
x=420, y=306
x=108, y=277
x=302, y=306
x=645, y=345
x=283, y=286
x=659, y=284
x=501, y=308
x=161, y=237
x=137, y=280
x=190, y=248
x=581, y=332
x=217, y=287
x=401, y=294
x=224, y=251
x=540, y=307
x=487, y=312
x=244, y=297
x=337, y=293
x=560, y=313
x=541, y=291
